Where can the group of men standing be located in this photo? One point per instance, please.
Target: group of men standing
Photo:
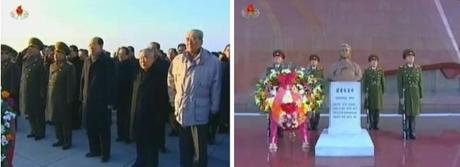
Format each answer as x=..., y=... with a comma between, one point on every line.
x=409, y=85
x=187, y=86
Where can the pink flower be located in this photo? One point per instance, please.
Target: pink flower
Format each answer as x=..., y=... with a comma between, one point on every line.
x=286, y=79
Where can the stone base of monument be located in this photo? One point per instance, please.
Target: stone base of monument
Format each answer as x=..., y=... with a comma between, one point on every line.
x=343, y=144
x=345, y=161
x=344, y=137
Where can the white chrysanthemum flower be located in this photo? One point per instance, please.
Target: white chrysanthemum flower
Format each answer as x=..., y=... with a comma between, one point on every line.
x=273, y=90
x=7, y=124
x=301, y=91
x=299, y=85
x=6, y=116
x=4, y=141
x=286, y=71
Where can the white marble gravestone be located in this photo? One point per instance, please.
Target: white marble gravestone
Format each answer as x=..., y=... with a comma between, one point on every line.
x=344, y=137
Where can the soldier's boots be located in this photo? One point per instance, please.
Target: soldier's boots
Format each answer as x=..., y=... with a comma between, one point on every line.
x=411, y=128
x=373, y=120
x=376, y=121
x=57, y=144
x=30, y=135
x=313, y=122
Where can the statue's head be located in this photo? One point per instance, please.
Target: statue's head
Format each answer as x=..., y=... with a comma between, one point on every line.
x=345, y=51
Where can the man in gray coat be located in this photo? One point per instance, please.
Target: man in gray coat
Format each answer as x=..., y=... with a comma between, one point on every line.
x=194, y=80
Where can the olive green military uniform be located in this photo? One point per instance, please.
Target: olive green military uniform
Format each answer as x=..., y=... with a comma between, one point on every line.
x=278, y=67
x=410, y=89
x=60, y=97
x=32, y=94
x=373, y=87
x=318, y=73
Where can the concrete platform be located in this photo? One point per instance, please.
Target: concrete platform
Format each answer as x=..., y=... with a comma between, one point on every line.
x=31, y=153
x=437, y=144
x=343, y=144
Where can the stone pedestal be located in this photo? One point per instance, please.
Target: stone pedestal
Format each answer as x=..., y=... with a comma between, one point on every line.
x=344, y=137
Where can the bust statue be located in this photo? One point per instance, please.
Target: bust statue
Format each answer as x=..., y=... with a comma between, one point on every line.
x=344, y=69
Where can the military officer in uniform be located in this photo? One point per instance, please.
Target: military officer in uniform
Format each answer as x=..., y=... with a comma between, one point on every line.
x=409, y=78
x=31, y=89
x=317, y=72
x=278, y=62
x=61, y=93
x=373, y=88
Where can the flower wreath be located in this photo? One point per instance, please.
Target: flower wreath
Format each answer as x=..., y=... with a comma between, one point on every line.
x=289, y=95
x=8, y=116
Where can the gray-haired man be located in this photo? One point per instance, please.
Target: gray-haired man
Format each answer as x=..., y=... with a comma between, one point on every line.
x=194, y=80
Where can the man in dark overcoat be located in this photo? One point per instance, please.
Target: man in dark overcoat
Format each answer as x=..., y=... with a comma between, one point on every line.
x=98, y=96
x=151, y=106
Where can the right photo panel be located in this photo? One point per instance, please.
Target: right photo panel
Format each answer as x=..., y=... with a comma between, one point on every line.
x=346, y=83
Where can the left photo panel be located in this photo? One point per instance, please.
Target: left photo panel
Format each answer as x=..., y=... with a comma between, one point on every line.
x=119, y=83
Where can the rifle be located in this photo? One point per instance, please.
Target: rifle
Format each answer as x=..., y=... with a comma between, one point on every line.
x=404, y=127
x=404, y=124
x=366, y=107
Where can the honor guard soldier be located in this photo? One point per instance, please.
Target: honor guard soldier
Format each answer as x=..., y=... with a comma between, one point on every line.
x=373, y=88
x=317, y=72
x=410, y=92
